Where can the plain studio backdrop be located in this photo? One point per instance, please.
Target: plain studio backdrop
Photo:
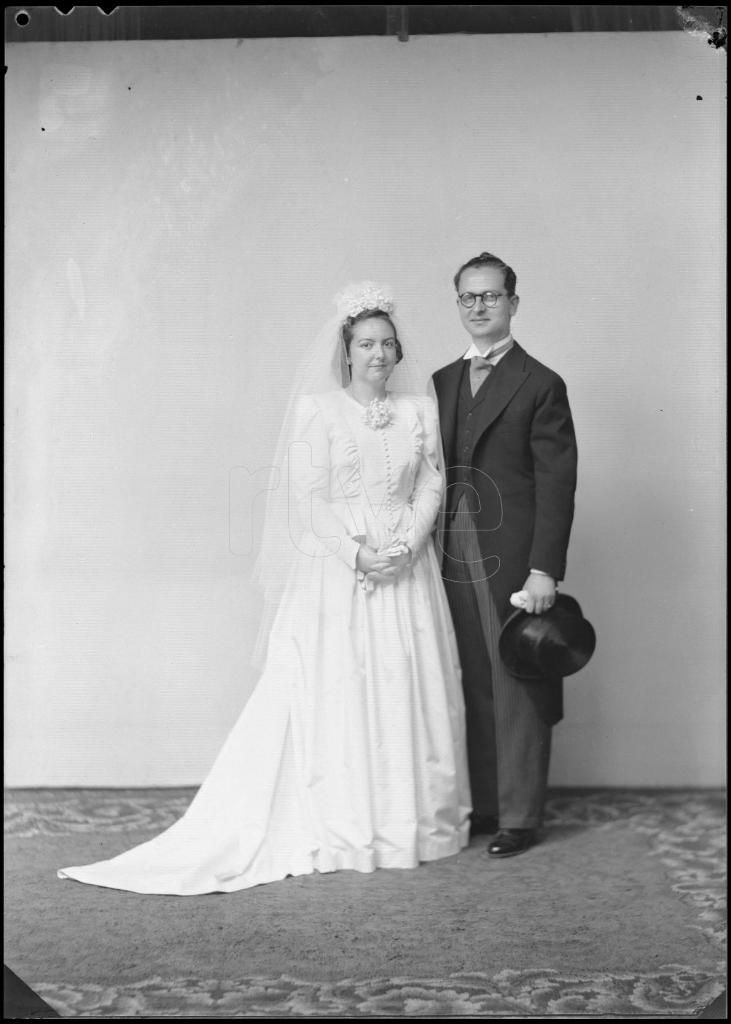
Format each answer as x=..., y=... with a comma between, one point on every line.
x=179, y=215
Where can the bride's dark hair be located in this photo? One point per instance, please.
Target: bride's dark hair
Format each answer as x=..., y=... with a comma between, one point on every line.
x=369, y=314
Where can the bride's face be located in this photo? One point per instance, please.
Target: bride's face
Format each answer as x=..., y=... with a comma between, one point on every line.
x=372, y=351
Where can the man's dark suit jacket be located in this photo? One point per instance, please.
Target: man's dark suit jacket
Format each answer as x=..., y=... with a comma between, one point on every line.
x=522, y=468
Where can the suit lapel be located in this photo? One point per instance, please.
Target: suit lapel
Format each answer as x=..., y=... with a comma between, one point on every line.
x=509, y=375
x=450, y=399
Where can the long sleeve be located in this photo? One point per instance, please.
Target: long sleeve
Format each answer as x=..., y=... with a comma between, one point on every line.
x=553, y=445
x=315, y=528
x=428, y=489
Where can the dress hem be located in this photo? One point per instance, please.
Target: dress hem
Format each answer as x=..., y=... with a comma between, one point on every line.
x=324, y=863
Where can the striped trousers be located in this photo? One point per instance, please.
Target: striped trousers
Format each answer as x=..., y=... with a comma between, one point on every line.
x=508, y=743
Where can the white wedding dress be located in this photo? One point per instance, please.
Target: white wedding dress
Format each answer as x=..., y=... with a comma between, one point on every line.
x=350, y=753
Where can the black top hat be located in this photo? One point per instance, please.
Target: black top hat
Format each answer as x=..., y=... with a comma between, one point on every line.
x=556, y=643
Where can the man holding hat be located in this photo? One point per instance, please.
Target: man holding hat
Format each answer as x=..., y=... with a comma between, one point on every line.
x=510, y=451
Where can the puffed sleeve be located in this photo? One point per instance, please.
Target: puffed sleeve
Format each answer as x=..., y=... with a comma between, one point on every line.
x=428, y=489
x=316, y=530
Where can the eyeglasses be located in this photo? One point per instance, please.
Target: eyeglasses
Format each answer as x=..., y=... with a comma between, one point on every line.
x=468, y=299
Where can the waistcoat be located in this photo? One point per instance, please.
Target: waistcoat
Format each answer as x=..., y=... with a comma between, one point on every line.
x=459, y=473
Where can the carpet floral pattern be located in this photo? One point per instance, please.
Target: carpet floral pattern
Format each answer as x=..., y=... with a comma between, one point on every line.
x=684, y=831
x=675, y=990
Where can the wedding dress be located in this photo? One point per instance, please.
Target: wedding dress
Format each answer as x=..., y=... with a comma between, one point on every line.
x=350, y=753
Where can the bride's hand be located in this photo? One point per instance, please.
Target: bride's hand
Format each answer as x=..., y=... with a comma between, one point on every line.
x=370, y=561
x=399, y=555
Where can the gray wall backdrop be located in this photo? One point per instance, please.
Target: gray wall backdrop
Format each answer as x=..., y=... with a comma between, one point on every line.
x=179, y=216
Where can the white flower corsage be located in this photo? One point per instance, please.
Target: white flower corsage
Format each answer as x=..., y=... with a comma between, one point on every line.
x=377, y=415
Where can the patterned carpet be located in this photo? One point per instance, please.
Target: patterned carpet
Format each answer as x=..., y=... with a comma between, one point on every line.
x=680, y=836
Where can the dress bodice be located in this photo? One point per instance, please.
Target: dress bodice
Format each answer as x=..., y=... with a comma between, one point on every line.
x=375, y=467
x=383, y=483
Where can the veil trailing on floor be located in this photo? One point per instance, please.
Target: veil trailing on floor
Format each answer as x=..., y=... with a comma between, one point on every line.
x=323, y=368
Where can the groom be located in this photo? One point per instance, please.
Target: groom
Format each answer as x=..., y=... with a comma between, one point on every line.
x=510, y=451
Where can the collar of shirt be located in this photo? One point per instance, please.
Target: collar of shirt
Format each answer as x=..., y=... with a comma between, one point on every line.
x=494, y=354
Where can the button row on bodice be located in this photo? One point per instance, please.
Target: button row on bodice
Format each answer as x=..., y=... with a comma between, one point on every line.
x=389, y=484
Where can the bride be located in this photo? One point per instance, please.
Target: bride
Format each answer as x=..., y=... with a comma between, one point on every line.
x=350, y=753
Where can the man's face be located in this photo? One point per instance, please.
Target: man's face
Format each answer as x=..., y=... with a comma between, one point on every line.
x=486, y=324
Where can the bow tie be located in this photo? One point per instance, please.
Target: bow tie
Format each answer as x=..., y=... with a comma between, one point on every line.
x=480, y=370
x=480, y=363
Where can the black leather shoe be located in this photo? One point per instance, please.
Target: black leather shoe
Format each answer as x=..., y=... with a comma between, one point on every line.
x=483, y=825
x=509, y=842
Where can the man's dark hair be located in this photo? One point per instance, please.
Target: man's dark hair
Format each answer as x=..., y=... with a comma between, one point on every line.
x=486, y=259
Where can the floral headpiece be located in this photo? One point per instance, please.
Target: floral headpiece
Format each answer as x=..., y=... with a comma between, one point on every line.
x=365, y=295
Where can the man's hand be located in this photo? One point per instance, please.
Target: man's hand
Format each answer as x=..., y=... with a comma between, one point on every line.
x=541, y=593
